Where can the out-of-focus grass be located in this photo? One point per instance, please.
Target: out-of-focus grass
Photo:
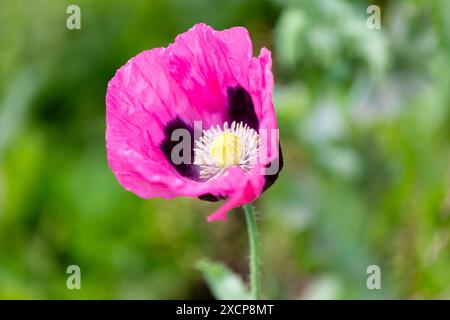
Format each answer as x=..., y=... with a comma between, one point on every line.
x=364, y=121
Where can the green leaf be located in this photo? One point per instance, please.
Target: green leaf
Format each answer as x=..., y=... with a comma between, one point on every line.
x=223, y=282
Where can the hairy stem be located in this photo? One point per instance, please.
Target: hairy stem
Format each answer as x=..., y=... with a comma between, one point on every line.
x=253, y=240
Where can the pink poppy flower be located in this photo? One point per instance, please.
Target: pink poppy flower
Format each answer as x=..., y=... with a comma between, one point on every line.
x=205, y=77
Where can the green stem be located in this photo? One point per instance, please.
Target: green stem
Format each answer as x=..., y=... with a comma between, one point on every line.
x=253, y=241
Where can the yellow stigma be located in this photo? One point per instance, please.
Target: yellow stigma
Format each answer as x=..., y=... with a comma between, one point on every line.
x=226, y=150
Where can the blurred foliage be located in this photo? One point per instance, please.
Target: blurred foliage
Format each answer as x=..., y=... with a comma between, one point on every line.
x=365, y=129
x=224, y=283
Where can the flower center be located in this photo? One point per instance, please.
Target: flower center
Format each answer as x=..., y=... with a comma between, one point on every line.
x=218, y=149
x=226, y=149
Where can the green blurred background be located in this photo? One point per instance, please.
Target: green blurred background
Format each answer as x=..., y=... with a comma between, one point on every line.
x=364, y=117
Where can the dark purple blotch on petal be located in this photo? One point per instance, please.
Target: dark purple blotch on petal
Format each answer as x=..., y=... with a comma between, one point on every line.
x=270, y=179
x=188, y=170
x=211, y=197
x=241, y=108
